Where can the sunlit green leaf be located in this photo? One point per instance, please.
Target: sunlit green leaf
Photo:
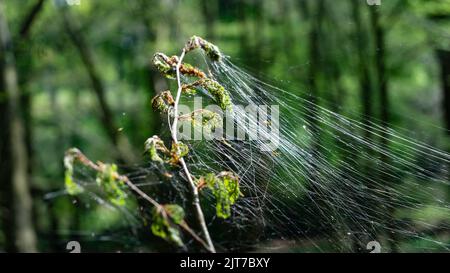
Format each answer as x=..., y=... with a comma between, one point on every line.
x=225, y=188
x=153, y=146
x=113, y=187
x=163, y=223
x=72, y=187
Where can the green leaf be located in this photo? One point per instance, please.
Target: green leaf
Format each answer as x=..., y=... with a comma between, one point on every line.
x=231, y=184
x=211, y=50
x=210, y=180
x=223, y=205
x=153, y=146
x=218, y=92
x=72, y=187
x=175, y=212
x=113, y=187
x=225, y=188
x=162, y=63
x=162, y=225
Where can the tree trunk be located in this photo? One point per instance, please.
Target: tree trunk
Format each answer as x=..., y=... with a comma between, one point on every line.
x=25, y=63
x=444, y=62
x=382, y=81
x=209, y=10
x=20, y=231
x=155, y=82
x=121, y=143
x=316, y=15
x=380, y=67
x=31, y=18
x=365, y=84
x=24, y=60
x=363, y=232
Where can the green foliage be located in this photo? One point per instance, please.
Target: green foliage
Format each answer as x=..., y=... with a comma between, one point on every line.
x=225, y=188
x=158, y=152
x=218, y=92
x=175, y=212
x=110, y=183
x=215, y=89
x=72, y=187
x=208, y=120
x=153, y=146
x=212, y=51
x=179, y=150
x=161, y=62
x=164, y=221
x=435, y=7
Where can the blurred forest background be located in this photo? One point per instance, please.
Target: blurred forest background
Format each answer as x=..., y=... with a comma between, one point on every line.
x=78, y=73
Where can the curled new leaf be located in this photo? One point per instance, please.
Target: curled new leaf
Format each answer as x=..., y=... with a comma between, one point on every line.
x=167, y=66
x=212, y=87
x=163, y=102
x=164, y=65
x=72, y=187
x=154, y=146
x=158, y=152
x=114, y=188
x=218, y=92
x=211, y=50
x=164, y=220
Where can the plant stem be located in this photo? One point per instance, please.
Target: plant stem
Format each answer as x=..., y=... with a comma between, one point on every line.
x=196, y=200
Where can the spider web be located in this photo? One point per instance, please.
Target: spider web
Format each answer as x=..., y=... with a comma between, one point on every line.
x=333, y=184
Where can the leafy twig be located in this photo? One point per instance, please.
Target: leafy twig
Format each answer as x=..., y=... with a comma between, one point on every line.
x=75, y=154
x=194, y=189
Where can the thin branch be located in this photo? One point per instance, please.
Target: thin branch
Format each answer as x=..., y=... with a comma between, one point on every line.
x=196, y=201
